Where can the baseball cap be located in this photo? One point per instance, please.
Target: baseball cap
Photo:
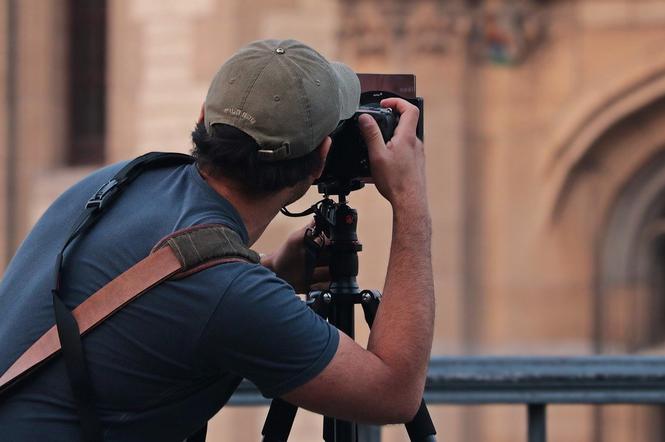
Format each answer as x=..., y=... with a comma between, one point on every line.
x=284, y=95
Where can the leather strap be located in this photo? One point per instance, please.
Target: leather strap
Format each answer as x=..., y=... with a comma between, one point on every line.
x=140, y=278
x=160, y=265
x=178, y=255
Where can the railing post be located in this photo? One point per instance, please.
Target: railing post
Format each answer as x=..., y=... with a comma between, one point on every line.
x=369, y=433
x=537, y=423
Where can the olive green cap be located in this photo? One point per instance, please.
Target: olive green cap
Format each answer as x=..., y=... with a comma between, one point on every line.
x=283, y=94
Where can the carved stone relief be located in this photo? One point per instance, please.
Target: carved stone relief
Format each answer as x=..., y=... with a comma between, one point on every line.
x=502, y=33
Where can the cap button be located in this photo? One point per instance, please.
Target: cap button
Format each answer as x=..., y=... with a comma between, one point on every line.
x=279, y=51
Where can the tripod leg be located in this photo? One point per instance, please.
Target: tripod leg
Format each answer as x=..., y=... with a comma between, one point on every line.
x=328, y=429
x=421, y=428
x=281, y=414
x=279, y=421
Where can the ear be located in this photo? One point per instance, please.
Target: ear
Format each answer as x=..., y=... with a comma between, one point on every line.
x=324, y=148
x=201, y=114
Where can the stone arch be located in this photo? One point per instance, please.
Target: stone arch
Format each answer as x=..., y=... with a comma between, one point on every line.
x=612, y=156
x=628, y=309
x=628, y=293
x=630, y=224
x=588, y=120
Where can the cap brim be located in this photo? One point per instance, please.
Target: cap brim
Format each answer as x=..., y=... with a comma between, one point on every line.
x=349, y=89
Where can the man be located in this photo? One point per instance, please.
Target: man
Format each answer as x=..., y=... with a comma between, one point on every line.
x=166, y=363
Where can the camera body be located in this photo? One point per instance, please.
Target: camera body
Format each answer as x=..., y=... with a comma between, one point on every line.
x=348, y=159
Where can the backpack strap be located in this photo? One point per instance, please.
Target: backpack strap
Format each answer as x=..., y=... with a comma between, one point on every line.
x=178, y=255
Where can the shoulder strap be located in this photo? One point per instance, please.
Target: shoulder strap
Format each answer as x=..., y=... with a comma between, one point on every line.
x=178, y=255
x=65, y=322
x=203, y=246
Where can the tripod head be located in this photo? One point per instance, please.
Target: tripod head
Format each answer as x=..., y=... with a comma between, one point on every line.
x=326, y=211
x=336, y=222
x=341, y=188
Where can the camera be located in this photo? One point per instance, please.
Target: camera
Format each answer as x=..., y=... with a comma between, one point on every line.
x=348, y=159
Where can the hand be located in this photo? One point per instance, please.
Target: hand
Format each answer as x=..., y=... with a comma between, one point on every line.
x=288, y=262
x=398, y=167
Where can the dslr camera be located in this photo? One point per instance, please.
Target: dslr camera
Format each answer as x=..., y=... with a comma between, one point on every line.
x=348, y=160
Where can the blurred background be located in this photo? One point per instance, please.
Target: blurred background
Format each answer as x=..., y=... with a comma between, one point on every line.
x=545, y=136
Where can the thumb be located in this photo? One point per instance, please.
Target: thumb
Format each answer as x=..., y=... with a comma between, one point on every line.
x=372, y=134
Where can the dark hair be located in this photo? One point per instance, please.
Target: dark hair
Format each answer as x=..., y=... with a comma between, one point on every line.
x=231, y=153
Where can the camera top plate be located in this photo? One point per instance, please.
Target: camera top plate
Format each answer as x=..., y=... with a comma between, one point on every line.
x=401, y=85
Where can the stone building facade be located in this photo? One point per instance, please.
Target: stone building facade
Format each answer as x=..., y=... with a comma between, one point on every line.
x=544, y=135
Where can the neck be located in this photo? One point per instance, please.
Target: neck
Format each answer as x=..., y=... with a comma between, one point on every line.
x=256, y=211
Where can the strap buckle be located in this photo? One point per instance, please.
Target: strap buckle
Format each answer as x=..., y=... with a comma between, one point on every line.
x=96, y=202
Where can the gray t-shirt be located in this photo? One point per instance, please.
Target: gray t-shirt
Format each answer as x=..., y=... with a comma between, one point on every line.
x=166, y=363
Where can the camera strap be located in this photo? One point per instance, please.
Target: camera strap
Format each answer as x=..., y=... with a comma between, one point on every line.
x=178, y=255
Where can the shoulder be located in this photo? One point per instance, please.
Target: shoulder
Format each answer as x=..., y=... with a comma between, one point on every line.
x=256, y=273
x=250, y=294
x=254, y=282
x=239, y=284
x=253, y=330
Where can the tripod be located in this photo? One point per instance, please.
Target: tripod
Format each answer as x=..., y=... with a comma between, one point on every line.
x=339, y=222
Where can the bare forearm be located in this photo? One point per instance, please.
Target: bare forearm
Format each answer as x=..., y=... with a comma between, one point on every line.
x=385, y=382
x=402, y=332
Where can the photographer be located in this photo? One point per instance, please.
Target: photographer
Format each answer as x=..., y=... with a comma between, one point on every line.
x=168, y=361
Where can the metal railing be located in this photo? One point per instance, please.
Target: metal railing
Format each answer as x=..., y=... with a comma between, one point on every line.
x=532, y=381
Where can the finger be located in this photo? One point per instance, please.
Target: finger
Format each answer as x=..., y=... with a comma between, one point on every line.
x=321, y=274
x=297, y=236
x=372, y=135
x=323, y=259
x=321, y=286
x=325, y=144
x=408, y=115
